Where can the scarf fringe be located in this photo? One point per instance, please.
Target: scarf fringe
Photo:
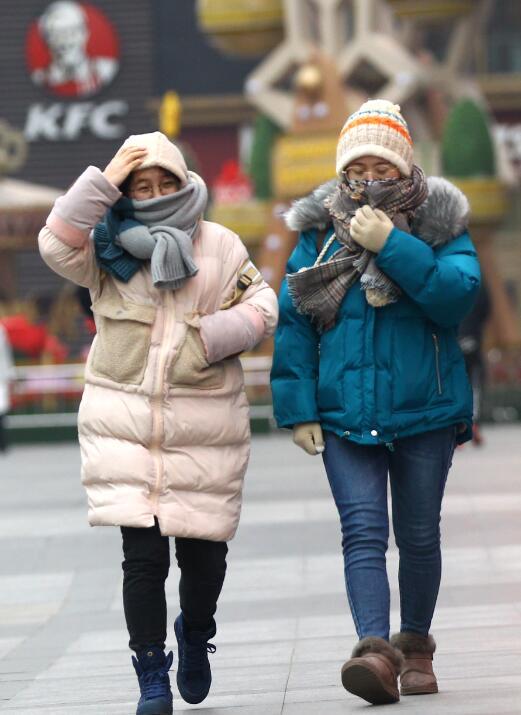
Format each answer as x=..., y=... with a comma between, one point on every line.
x=304, y=304
x=379, y=282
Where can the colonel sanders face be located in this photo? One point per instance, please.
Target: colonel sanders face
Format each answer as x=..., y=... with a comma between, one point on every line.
x=64, y=26
x=59, y=53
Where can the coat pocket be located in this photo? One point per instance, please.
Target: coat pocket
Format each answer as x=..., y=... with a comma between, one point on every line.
x=332, y=370
x=190, y=367
x=124, y=332
x=420, y=367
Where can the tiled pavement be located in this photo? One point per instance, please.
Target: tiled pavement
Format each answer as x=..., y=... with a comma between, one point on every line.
x=284, y=629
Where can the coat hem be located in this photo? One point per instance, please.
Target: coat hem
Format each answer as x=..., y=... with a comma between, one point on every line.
x=383, y=439
x=202, y=525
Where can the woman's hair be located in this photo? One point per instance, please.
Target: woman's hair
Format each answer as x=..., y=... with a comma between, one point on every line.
x=125, y=186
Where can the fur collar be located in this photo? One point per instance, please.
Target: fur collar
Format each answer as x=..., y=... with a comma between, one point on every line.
x=441, y=217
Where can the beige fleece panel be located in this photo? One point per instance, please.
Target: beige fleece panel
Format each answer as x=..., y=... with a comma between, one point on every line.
x=124, y=332
x=190, y=367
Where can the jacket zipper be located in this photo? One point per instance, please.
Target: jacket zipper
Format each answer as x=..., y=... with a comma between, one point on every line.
x=157, y=396
x=437, y=351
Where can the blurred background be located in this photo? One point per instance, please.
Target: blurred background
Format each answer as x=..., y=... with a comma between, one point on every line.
x=255, y=93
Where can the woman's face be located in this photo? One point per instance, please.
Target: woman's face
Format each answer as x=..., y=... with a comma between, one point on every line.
x=152, y=183
x=372, y=168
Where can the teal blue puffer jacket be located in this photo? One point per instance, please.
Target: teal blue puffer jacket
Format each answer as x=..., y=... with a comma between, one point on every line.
x=384, y=373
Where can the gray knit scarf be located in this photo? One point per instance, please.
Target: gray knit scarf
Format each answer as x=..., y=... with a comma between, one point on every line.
x=319, y=290
x=162, y=230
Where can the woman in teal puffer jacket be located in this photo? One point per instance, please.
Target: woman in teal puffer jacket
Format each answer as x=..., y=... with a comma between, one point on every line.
x=367, y=370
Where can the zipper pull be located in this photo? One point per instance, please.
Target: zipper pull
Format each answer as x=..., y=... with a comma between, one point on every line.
x=437, y=361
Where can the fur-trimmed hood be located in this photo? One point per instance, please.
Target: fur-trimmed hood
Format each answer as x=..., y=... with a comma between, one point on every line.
x=441, y=217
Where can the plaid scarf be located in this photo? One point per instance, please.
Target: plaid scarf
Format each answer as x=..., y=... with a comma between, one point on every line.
x=319, y=290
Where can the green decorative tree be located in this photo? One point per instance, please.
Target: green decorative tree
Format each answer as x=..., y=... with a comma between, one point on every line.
x=467, y=149
x=265, y=134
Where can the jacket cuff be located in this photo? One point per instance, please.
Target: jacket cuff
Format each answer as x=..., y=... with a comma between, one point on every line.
x=294, y=401
x=231, y=332
x=404, y=258
x=75, y=213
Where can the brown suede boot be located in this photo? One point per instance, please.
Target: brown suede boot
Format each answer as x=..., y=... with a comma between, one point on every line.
x=417, y=676
x=372, y=671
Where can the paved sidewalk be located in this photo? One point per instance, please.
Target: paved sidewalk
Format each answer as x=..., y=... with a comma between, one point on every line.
x=284, y=628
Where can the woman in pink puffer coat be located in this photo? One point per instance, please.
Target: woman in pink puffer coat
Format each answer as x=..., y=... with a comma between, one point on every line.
x=163, y=422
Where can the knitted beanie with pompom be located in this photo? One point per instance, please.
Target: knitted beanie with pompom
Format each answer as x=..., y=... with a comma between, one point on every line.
x=376, y=129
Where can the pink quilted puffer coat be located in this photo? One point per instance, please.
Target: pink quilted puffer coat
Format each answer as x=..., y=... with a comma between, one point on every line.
x=164, y=420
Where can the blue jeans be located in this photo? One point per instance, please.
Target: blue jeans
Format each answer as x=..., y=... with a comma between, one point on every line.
x=357, y=474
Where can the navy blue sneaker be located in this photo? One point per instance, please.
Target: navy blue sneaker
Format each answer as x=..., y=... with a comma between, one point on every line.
x=152, y=668
x=194, y=676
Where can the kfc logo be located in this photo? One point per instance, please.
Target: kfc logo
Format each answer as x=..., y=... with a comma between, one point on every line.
x=72, y=49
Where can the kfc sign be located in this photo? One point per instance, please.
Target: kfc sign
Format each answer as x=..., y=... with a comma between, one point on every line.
x=61, y=121
x=72, y=51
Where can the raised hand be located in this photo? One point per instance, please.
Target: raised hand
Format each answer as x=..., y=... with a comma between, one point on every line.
x=124, y=161
x=370, y=228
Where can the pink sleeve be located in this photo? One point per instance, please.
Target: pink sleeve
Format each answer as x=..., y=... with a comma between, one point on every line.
x=75, y=213
x=231, y=332
x=237, y=329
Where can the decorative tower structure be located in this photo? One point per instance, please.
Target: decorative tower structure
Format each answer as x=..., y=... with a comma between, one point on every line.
x=469, y=160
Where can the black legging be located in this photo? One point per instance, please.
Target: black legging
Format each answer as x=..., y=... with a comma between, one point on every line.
x=146, y=565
